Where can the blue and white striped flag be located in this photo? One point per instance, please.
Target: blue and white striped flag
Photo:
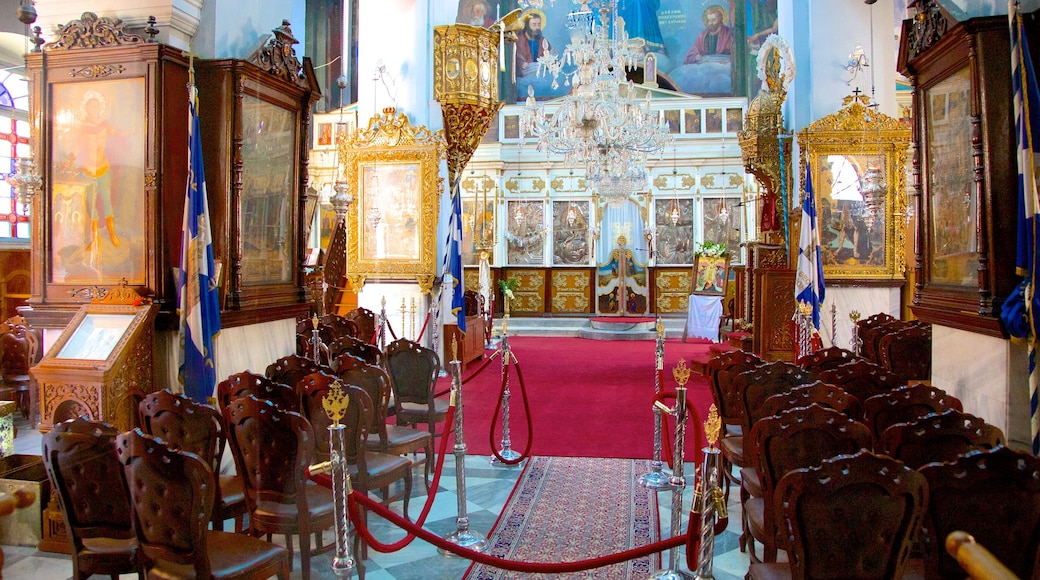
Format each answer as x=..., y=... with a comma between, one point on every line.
x=808, y=284
x=454, y=257
x=1027, y=129
x=198, y=299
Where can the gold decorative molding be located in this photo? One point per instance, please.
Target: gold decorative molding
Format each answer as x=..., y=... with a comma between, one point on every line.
x=525, y=184
x=570, y=291
x=97, y=71
x=674, y=181
x=569, y=183
x=93, y=31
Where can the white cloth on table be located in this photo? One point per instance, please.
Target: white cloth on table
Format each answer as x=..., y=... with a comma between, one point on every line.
x=702, y=320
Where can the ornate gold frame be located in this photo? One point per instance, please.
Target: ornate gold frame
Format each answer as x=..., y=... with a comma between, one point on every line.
x=859, y=134
x=390, y=139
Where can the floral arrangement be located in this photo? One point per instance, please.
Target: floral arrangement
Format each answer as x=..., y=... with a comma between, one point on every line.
x=711, y=250
x=508, y=285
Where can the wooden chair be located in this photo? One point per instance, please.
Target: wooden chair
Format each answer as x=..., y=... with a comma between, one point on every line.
x=273, y=448
x=340, y=326
x=198, y=429
x=20, y=349
x=365, y=320
x=907, y=352
x=384, y=438
x=862, y=379
x=864, y=331
x=935, y=438
x=851, y=518
x=905, y=405
x=828, y=358
x=249, y=383
x=369, y=469
x=992, y=495
x=818, y=392
x=172, y=492
x=80, y=458
x=413, y=375
x=290, y=369
x=366, y=352
x=721, y=370
x=796, y=438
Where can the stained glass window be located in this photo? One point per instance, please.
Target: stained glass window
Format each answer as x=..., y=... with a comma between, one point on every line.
x=14, y=143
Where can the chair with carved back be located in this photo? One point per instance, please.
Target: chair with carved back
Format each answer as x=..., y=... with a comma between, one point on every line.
x=369, y=353
x=825, y=359
x=290, y=369
x=818, y=392
x=907, y=352
x=992, y=495
x=339, y=325
x=862, y=379
x=365, y=320
x=750, y=389
x=721, y=370
x=20, y=349
x=905, y=405
x=273, y=449
x=413, y=376
x=343, y=344
x=198, y=429
x=369, y=469
x=853, y=517
x=249, y=383
x=939, y=437
x=80, y=458
x=172, y=495
x=793, y=439
x=865, y=327
x=382, y=437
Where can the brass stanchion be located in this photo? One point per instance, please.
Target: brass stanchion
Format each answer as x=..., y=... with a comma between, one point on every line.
x=657, y=479
x=709, y=501
x=462, y=535
x=335, y=404
x=381, y=340
x=317, y=346
x=682, y=375
x=404, y=317
x=507, y=453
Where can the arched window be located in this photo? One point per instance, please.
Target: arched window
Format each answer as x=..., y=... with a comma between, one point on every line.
x=14, y=143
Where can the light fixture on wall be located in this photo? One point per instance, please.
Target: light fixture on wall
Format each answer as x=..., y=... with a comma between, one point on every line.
x=600, y=122
x=25, y=180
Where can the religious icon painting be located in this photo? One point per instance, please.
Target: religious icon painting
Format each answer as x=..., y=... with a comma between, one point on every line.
x=570, y=233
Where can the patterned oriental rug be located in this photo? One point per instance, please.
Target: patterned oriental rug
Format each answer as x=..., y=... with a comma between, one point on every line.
x=565, y=509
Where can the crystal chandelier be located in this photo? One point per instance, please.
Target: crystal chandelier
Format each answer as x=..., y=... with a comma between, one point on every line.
x=600, y=122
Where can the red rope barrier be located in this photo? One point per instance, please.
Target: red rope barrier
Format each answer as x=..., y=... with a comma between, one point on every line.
x=391, y=329
x=423, y=329
x=326, y=480
x=481, y=558
x=498, y=407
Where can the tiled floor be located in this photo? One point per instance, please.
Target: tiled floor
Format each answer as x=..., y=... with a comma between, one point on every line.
x=487, y=490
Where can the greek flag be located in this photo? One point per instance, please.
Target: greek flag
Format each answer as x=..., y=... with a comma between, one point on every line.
x=198, y=303
x=454, y=257
x=1027, y=129
x=808, y=285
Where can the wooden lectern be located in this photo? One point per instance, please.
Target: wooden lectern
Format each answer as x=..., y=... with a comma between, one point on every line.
x=102, y=364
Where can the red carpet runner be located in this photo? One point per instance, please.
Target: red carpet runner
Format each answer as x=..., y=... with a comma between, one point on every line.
x=588, y=398
x=566, y=509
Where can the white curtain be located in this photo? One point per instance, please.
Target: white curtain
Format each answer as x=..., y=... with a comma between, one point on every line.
x=622, y=220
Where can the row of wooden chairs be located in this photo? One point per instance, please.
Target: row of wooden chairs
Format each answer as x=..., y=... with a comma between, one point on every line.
x=21, y=347
x=858, y=515
x=359, y=324
x=902, y=347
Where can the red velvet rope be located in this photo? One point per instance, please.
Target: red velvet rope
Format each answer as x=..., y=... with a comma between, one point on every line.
x=423, y=329
x=483, y=366
x=498, y=407
x=326, y=480
x=390, y=328
x=481, y=558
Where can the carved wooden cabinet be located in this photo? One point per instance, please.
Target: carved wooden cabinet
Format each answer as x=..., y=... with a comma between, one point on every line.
x=108, y=114
x=255, y=119
x=964, y=146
